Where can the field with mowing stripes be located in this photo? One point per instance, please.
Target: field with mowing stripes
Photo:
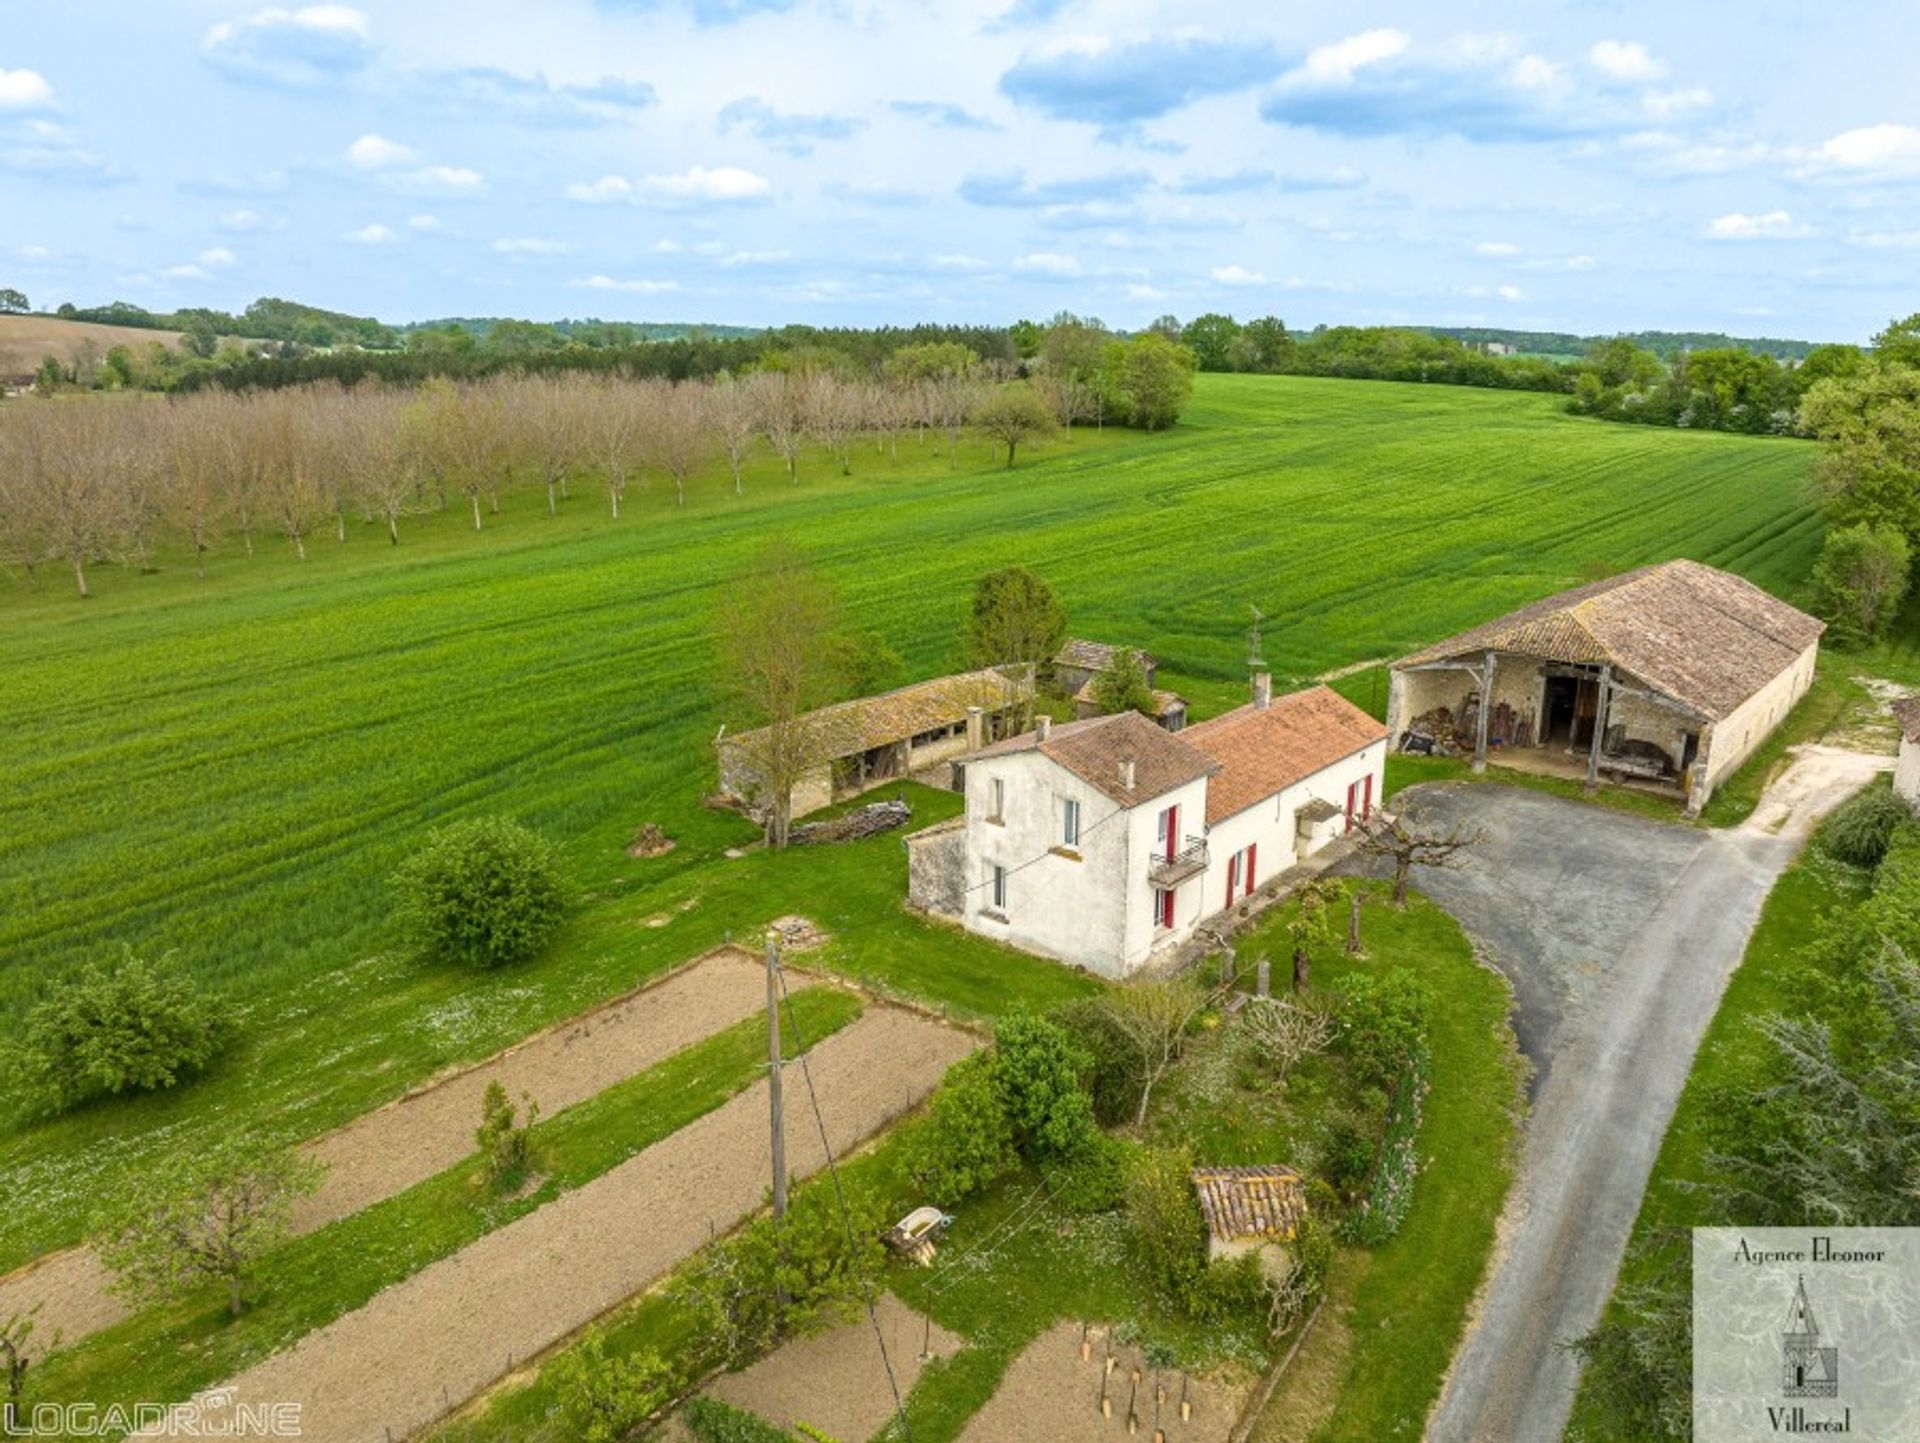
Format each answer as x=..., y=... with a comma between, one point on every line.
x=229, y=768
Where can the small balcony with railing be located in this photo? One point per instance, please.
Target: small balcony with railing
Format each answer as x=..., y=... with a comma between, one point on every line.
x=1165, y=871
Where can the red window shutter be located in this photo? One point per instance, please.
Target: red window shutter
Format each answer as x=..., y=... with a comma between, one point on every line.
x=1253, y=850
x=1366, y=806
x=1233, y=876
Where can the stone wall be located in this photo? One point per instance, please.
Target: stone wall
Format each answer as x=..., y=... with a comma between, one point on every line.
x=937, y=868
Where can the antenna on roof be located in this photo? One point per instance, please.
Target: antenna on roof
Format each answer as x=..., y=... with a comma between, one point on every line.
x=1254, y=659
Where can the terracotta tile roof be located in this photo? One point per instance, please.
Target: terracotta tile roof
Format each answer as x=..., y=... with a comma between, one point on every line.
x=1095, y=750
x=1093, y=655
x=1906, y=711
x=1242, y=1204
x=1705, y=637
x=874, y=721
x=1262, y=750
x=1163, y=701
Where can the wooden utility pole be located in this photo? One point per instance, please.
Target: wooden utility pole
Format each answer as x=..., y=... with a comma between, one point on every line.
x=773, y=1077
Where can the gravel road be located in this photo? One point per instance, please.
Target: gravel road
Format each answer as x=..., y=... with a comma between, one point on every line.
x=1620, y=1001
x=430, y=1342
x=430, y=1129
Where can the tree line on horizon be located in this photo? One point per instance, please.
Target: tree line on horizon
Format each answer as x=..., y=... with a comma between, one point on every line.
x=86, y=480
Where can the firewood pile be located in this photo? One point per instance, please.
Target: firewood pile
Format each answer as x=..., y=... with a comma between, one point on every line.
x=869, y=821
x=1435, y=731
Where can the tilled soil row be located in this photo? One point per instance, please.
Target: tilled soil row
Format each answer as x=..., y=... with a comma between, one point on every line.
x=425, y=1132
x=427, y=1344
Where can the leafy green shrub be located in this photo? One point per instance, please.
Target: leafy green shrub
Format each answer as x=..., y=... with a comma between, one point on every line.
x=1346, y=1155
x=1861, y=828
x=1383, y=1023
x=1859, y=579
x=965, y=1144
x=1113, y=1075
x=766, y=1284
x=134, y=1027
x=603, y=1397
x=1169, y=1230
x=1094, y=1180
x=1038, y=1068
x=483, y=893
x=506, y=1146
x=711, y=1421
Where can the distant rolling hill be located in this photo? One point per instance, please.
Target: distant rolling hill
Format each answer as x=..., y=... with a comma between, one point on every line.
x=27, y=340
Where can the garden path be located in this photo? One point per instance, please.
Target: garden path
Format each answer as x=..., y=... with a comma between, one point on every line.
x=431, y=1128
x=427, y=1344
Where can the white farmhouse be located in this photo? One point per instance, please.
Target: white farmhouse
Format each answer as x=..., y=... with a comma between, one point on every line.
x=1103, y=842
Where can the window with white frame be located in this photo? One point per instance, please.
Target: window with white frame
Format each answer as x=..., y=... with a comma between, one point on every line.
x=998, y=876
x=1069, y=822
x=999, y=799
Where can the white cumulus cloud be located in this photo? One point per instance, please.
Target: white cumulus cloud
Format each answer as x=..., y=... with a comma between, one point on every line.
x=1769, y=225
x=1870, y=151
x=1335, y=64
x=1626, y=60
x=217, y=258
x=726, y=182
x=529, y=246
x=373, y=234
x=24, y=90
x=1050, y=263
x=1237, y=276
x=635, y=287
x=1496, y=249
x=376, y=152
x=437, y=180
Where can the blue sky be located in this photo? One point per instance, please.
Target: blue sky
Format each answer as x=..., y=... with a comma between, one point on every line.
x=1610, y=165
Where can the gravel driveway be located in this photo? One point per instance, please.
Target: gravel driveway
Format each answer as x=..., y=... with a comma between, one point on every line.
x=1619, y=935
x=427, y=1344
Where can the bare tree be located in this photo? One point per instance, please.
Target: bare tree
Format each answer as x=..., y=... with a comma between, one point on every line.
x=385, y=468
x=954, y=399
x=616, y=423
x=1153, y=1018
x=68, y=456
x=780, y=660
x=293, y=494
x=733, y=412
x=23, y=540
x=1407, y=842
x=679, y=439
x=198, y=501
x=834, y=417
x=783, y=419
x=542, y=412
x=1286, y=1032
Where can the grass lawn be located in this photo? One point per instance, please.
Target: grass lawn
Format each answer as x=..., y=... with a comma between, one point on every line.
x=1731, y=1051
x=168, y=1352
x=1397, y=1312
x=229, y=769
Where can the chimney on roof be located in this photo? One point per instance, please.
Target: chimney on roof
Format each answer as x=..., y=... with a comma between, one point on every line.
x=1262, y=690
x=1126, y=774
x=1043, y=726
x=976, y=728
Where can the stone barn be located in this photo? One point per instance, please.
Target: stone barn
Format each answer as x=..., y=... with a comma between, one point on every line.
x=877, y=739
x=1667, y=677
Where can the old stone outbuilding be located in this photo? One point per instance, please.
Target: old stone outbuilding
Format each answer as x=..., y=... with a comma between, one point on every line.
x=1671, y=675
